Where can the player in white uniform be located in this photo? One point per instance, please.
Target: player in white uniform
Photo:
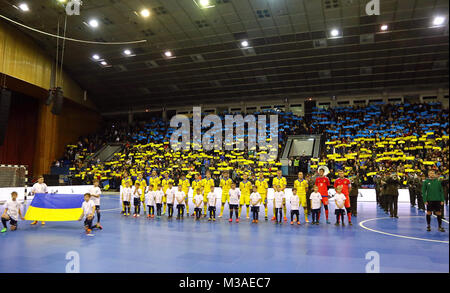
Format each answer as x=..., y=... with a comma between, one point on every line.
x=125, y=195
x=255, y=202
x=279, y=200
x=137, y=194
x=212, y=201
x=339, y=199
x=233, y=202
x=95, y=193
x=39, y=187
x=159, y=195
x=180, y=197
x=150, y=196
x=170, y=199
x=88, y=213
x=11, y=213
x=316, y=204
x=295, y=205
x=198, y=200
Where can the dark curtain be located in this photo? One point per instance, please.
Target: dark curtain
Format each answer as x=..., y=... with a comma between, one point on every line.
x=19, y=145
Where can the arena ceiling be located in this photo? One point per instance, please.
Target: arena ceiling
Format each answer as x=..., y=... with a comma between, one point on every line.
x=291, y=51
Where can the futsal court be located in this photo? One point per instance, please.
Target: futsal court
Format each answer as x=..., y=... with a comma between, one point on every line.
x=141, y=245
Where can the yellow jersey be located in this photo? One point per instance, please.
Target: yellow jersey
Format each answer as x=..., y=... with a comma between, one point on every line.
x=155, y=181
x=185, y=184
x=279, y=181
x=262, y=186
x=165, y=184
x=125, y=180
x=196, y=184
x=207, y=184
x=226, y=185
x=301, y=186
x=142, y=184
x=245, y=188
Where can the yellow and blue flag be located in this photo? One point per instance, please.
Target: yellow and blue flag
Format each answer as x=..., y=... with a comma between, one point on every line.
x=55, y=207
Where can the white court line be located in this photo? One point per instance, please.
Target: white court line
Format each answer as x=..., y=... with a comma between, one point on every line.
x=396, y=235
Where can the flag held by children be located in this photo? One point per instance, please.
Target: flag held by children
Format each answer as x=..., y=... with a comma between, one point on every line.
x=55, y=207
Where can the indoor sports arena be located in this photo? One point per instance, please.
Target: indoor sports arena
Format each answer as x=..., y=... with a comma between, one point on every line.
x=224, y=136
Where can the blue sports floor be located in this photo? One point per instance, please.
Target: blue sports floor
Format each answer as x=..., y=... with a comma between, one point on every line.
x=147, y=246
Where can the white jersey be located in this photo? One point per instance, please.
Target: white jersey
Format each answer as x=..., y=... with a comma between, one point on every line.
x=211, y=199
x=235, y=194
x=295, y=202
x=179, y=196
x=159, y=194
x=316, y=200
x=170, y=194
x=13, y=207
x=39, y=188
x=95, y=191
x=150, y=196
x=136, y=193
x=126, y=193
x=278, y=197
x=198, y=198
x=88, y=207
x=340, y=199
x=254, y=198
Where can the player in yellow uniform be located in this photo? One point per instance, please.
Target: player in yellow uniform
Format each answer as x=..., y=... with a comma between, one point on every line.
x=225, y=184
x=185, y=184
x=281, y=181
x=154, y=180
x=197, y=184
x=143, y=185
x=301, y=185
x=125, y=179
x=207, y=183
x=165, y=185
x=245, y=187
x=262, y=186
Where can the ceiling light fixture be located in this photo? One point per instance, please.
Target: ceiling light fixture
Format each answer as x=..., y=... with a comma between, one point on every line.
x=127, y=52
x=96, y=57
x=24, y=7
x=384, y=27
x=334, y=32
x=145, y=13
x=168, y=54
x=93, y=23
x=438, y=20
x=244, y=44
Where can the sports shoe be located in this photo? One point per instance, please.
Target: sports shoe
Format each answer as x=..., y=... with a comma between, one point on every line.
x=273, y=218
x=237, y=220
x=428, y=228
x=88, y=231
x=328, y=222
x=99, y=226
x=134, y=216
x=253, y=221
x=230, y=220
x=306, y=220
x=3, y=230
x=214, y=219
x=138, y=216
x=298, y=223
x=350, y=223
x=266, y=218
x=256, y=221
x=292, y=223
x=148, y=216
x=343, y=224
x=220, y=216
x=42, y=223
x=209, y=220
x=34, y=223
x=336, y=224
x=441, y=229
x=285, y=219
x=248, y=217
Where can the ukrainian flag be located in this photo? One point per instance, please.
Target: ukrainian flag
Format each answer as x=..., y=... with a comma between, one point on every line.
x=55, y=207
x=106, y=185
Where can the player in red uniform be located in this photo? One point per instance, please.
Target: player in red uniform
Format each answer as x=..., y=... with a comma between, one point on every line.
x=322, y=183
x=346, y=187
